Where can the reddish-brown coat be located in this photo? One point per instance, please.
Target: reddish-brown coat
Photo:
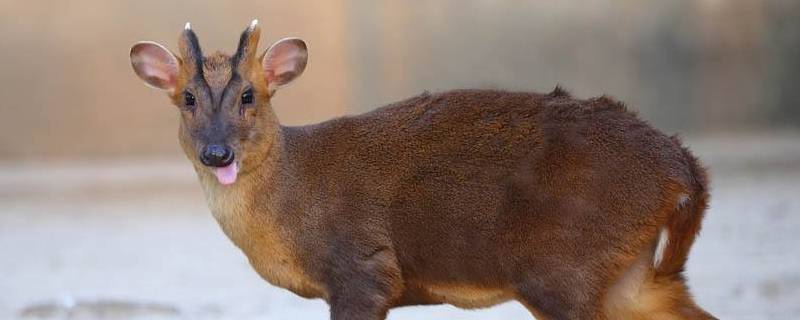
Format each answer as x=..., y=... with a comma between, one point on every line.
x=467, y=197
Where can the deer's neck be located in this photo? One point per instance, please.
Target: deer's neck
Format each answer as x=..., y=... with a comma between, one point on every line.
x=248, y=212
x=240, y=201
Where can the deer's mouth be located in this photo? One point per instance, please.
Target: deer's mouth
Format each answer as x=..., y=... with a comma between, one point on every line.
x=226, y=175
x=221, y=159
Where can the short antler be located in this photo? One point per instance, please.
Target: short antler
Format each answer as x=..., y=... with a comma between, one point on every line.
x=190, y=50
x=248, y=44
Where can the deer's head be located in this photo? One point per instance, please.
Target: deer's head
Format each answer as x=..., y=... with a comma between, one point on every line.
x=227, y=124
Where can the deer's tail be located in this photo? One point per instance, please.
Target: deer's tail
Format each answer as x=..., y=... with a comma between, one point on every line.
x=676, y=237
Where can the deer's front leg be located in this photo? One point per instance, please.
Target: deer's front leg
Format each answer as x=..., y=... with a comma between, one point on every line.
x=364, y=284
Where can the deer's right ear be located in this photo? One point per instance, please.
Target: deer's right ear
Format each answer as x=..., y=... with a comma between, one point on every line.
x=154, y=64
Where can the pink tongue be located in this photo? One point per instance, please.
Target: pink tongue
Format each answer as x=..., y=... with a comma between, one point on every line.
x=227, y=175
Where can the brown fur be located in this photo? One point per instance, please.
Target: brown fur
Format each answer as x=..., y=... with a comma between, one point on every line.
x=466, y=197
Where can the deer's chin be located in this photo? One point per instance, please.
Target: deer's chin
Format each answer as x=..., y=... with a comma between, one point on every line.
x=227, y=175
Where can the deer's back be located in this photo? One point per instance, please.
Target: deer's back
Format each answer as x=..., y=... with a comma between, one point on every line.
x=461, y=181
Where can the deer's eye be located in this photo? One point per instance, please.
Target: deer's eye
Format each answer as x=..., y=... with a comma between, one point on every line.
x=247, y=96
x=188, y=99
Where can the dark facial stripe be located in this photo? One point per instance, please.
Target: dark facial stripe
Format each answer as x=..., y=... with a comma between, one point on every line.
x=241, y=50
x=233, y=82
x=195, y=53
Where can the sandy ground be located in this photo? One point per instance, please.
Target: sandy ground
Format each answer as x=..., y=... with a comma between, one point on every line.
x=134, y=240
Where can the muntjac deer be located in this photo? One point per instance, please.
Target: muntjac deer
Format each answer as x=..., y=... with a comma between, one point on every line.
x=575, y=208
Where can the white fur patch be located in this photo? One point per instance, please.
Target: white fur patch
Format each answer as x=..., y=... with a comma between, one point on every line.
x=188, y=26
x=663, y=241
x=253, y=24
x=682, y=200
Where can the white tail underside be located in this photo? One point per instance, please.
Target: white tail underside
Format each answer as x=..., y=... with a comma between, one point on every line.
x=663, y=241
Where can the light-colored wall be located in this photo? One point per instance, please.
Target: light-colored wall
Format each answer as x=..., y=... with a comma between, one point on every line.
x=68, y=91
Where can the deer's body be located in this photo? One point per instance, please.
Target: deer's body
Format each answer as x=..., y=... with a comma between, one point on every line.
x=576, y=208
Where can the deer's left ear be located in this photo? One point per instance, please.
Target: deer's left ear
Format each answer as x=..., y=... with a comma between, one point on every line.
x=154, y=64
x=283, y=62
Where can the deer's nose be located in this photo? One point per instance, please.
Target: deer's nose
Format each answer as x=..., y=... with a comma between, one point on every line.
x=215, y=155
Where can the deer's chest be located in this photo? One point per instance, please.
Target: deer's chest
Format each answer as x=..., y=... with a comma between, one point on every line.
x=252, y=229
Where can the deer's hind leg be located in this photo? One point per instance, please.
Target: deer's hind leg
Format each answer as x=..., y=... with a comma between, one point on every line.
x=639, y=293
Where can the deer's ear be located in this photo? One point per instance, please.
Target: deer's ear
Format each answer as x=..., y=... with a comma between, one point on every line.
x=284, y=61
x=155, y=65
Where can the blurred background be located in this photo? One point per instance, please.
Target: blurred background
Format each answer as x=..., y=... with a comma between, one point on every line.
x=101, y=217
